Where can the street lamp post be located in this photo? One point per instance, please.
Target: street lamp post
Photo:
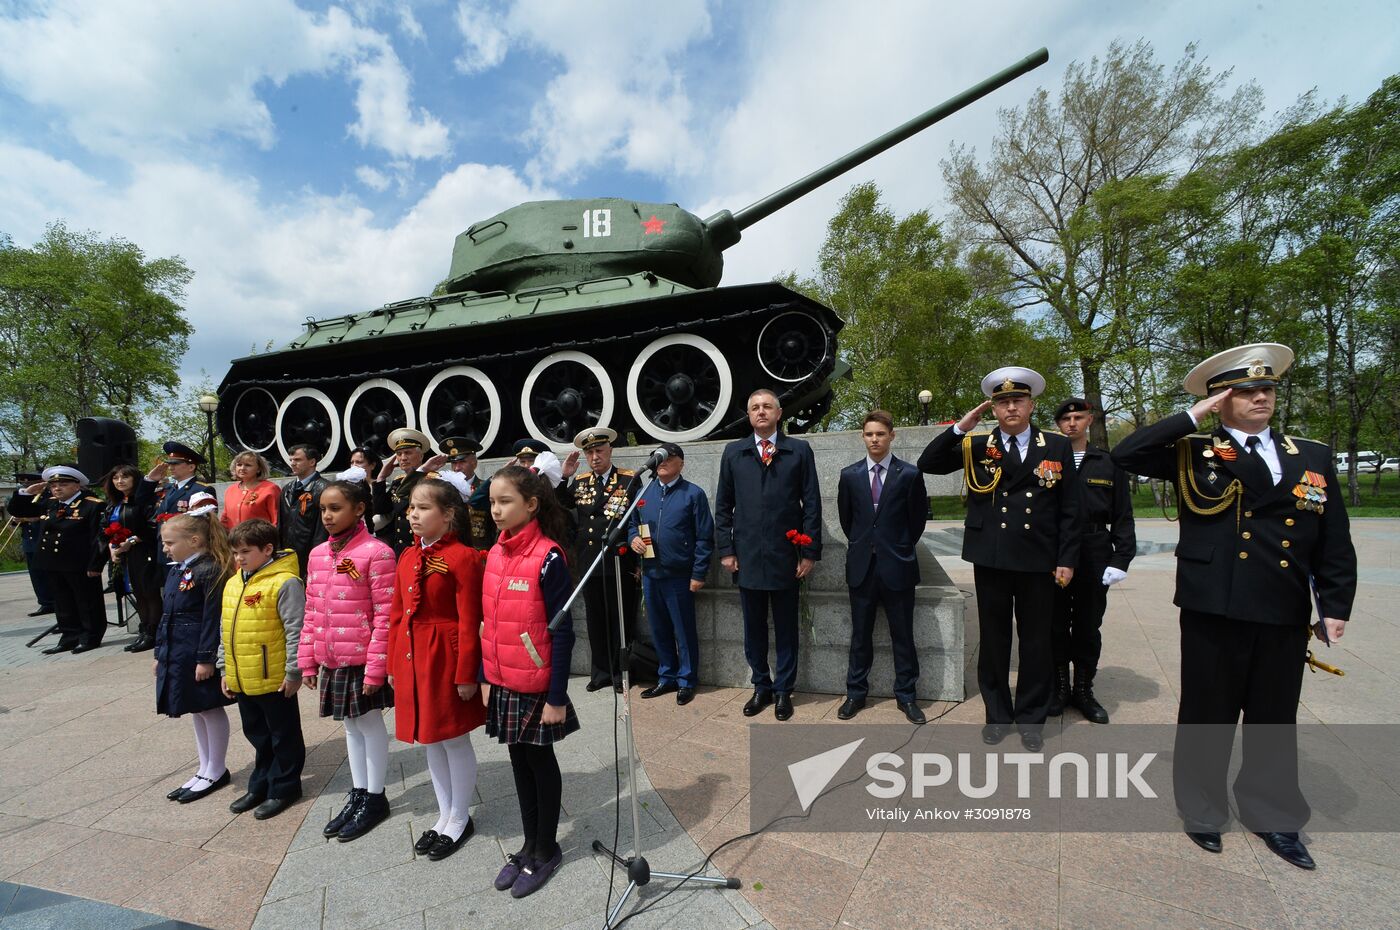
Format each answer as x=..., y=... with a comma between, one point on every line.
x=925, y=398
x=209, y=403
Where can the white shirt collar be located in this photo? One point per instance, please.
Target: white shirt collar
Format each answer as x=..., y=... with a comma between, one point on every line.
x=771, y=437
x=1266, y=438
x=181, y=484
x=425, y=543
x=1022, y=438
x=668, y=485
x=74, y=497
x=884, y=462
x=191, y=560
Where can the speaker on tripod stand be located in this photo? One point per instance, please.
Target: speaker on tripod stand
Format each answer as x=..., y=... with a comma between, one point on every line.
x=103, y=444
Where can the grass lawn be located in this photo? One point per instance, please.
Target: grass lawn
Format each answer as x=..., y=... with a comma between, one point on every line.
x=1383, y=503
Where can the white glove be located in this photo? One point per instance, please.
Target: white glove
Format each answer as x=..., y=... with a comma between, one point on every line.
x=353, y=473
x=1111, y=576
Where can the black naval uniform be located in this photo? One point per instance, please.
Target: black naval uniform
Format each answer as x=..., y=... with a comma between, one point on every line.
x=68, y=534
x=1108, y=539
x=1022, y=523
x=299, y=517
x=1250, y=555
x=391, y=500
x=481, y=529
x=596, y=502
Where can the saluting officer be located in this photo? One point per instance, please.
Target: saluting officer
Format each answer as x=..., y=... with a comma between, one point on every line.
x=69, y=528
x=461, y=452
x=599, y=497
x=173, y=498
x=1021, y=535
x=1263, y=533
x=29, y=545
x=1108, y=544
x=391, y=497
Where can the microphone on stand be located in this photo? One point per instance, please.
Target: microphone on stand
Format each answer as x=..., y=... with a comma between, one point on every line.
x=655, y=459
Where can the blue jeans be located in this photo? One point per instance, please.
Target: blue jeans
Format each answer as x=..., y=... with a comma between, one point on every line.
x=671, y=613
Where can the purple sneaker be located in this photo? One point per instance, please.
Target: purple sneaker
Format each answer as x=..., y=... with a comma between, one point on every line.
x=509, y=872
x=534, y=877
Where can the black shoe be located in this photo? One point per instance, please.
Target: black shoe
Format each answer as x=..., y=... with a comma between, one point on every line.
x=595, y=686
x=684, y=696
x=755, y=705
x=131, y=646
x=994, y=733
x=274, y=806
x=446, y=845
x=782, y=707
x=1082, y=697
x=849, y=708
x=617, y=687
x=373, y=810
x=1207, y=840
x=912, y=713
x=40, y=612
x=175, y=795
x=143, y=644
x=207, y=787
x=425, y=842
x=658, y=690
x=55, y=650
x=1059, y=690
x=352, y=803
x=1032, y=740
x=85, y=647
x=1289, y=848
x=246, y=803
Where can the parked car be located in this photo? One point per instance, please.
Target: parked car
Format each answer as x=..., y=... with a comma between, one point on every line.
x=1390, y=466
x=1367, y=461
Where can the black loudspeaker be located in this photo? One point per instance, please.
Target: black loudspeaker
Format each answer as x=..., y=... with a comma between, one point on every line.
x=103, y=444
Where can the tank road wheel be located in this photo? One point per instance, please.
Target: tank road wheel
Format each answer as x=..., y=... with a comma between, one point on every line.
x=255, y=419
x=565, y=393
x=307, y=415
x=792, y=346
x=461, y=401
x=375, y=409
x=679, y=388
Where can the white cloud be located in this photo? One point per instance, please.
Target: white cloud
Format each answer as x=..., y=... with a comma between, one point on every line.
x=387, y=119
x=484, y=36
x=372, y=178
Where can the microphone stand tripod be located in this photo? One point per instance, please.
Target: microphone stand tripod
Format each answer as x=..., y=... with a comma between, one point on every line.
x=639, y=872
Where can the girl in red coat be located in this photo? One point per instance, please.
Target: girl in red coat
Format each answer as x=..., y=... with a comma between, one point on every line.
x=526, y=665
x=435, y=656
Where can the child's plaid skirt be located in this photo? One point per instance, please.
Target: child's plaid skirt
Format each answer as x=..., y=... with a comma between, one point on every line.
x=343, y=694
x=512, y=717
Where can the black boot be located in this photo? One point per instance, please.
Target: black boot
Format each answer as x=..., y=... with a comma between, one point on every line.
x=352, y=804
x=373, y=809
x=1083, y=698
x=1059, y=695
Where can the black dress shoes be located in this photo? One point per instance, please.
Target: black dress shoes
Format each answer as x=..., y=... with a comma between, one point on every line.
x=352, y=803
x=595, y=686
x=143, y=644
x=175, y=795
x=1032, y=740
x=425, y=842
x=1206, y=839
x=274, y=806
x=849, y=708
x=372, y=811
x=206, y=787
x=85, y=647
x=782, y=707
x=246, y=803
x=40, y=612
x=755, y=705
x=912, y=713
x=994, y=733
x=1289, y=848
x=61, y=647
x=445, y=845
x=658, y=690
x=684, y=696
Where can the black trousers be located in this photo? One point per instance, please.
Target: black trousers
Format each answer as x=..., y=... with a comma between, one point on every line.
x=599, y=608
x=866, y=598
x=1228, y=668
x=1030, y=597
x=78, y=608
x=272, y=723
x=1079, y=610
x=146, y=583
x=540, y=787
x=39, y=581
x=755, y=604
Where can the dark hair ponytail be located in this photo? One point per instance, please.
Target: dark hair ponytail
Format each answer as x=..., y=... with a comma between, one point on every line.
x=450, y=500
x=554, y=522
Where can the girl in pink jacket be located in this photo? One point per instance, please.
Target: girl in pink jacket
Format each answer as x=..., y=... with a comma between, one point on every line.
x=345, y=644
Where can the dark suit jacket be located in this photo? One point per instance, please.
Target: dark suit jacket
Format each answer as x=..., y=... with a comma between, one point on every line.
x=756, y=505
x=888, y=537
x=300, y=526
x=1253, y=559
x=1026, y=523
x=1106, y=494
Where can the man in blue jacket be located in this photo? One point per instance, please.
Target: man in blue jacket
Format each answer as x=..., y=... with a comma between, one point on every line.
x=768, y=530
x=673, y=532
x=180, y=464
x=883, y=506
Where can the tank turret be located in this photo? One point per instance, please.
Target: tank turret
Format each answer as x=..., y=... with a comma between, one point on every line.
x=559, y=315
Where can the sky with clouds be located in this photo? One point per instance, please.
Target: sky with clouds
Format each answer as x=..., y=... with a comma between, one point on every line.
x=312, y=159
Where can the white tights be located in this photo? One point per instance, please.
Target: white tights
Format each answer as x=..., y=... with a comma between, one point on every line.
x=211, y=740
x=367, y=745
x=452, y=765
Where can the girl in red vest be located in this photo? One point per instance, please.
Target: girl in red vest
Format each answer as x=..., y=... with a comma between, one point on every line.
x=526, y=666
x=435, y=657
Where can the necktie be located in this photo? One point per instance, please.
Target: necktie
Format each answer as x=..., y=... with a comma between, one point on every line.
x=1013, y=452
x=876, y=486
x=1261, y=467
x=765, y=451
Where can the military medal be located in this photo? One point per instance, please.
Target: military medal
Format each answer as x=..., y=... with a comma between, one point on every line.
x=187, y=579
x=1311, y=491
x=1048, y=471
x=1207, y=454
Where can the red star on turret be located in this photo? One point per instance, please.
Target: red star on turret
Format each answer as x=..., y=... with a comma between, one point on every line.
x=653, y=226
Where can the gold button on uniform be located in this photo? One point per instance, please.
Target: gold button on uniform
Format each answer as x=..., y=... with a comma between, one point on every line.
x=1249, y=513
x=1246, y=534
x=1286, y=544
x=1028, y=510
x=1244, y=555
x=1288, y=521
x=1003, y=510
x=1028, y=526
x=1028, y=493
x=1283, y=563
x=1003, y=526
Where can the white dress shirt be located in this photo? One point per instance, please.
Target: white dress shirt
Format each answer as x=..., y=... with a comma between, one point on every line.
x=884, y=464
x=1267, y=450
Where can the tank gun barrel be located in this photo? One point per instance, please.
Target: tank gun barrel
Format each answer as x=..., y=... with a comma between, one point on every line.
x=726, y=227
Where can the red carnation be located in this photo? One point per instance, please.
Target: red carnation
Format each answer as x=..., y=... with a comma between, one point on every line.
x=116, y=534
x=798, y=539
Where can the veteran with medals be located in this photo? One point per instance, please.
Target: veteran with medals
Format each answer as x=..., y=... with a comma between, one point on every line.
x=391, y=498
x=1021, y=535
x=461, y=452
x=598, y=498
x=1264, y=536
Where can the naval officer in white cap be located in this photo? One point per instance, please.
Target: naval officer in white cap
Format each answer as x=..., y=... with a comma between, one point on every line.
x=1021, y=534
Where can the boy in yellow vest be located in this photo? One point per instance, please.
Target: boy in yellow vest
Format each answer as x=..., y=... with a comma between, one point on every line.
x=263, y=607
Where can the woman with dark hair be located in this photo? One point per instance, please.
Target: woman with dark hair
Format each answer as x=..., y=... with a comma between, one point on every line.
x=130, y=543
x=368, y=460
